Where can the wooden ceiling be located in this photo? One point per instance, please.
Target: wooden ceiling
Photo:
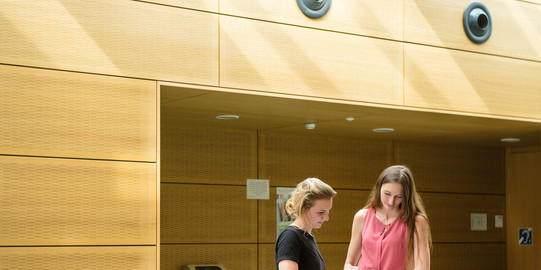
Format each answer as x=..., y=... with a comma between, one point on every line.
x=183, y=106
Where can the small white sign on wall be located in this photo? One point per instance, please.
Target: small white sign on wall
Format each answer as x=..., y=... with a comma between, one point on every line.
x=478, y=222
x=498, y=221
x=257, y=189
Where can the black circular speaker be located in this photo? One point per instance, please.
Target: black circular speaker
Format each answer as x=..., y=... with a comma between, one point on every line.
x=477, y=22
x=314, y=8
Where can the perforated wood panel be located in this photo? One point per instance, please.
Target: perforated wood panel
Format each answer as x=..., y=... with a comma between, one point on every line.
x=287, y=159
x=127, y=38
x=84, y=258
x=209, y=5
x=523, y=204
x=236, y=257
x=471, y=82
x=207, y=214
x=449, y=216
x=515, y=30
x=51, y=113
x=470, y=256
x=453, y=168
x=207, y=155
x=337, y=229
x=280, y=58
x=47, y=201
x=372, y=18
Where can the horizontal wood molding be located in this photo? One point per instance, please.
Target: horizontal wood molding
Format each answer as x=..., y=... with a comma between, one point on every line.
x=279, y=58
x=64, y=114
x=50, y=201
x=470, y=82
x=124, y=38
x=515, y=30
x=84, y=258
x=372, y=18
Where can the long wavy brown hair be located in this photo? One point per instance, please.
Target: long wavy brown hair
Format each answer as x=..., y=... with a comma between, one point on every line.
x=410, y=207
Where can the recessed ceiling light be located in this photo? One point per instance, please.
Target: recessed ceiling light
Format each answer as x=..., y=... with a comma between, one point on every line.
x=349, y=119
x=510, y=140
x=227, y=117
x=383, y=129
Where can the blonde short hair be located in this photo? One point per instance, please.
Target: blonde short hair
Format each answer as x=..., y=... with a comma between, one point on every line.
x=306, y=194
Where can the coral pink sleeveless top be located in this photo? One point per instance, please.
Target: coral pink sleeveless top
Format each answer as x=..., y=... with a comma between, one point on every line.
x=383, y=246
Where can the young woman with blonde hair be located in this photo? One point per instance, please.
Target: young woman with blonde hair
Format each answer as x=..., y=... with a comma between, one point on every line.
x=309, y=206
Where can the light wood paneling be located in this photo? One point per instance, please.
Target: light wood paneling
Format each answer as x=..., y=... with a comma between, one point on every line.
x=337, y=229
x=76, y=202
x=453, y=168
x=52, y=113
x=524, y=206
x=127, y=38
x=470, y=256
x=84, y=258
x=208, y=5
x=516, y=27
x=287, y=159
x=208, y=155
x=235, y=257
x=371, y=18
x=207, y=214
x=334, y=255
x=470, y=82
x=449, y=216
x=272, y=57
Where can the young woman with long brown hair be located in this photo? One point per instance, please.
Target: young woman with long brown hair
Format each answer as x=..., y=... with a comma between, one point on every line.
x=392, y=231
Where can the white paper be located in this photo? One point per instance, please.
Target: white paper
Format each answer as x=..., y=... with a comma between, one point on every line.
x=257, y=189
x=478, y=222
x=498, y=221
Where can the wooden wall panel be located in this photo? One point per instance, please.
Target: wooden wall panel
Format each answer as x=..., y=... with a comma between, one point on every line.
x=51, y=113
x=372, y=18
x=470, y=82
x=207, y=214
x=524, y=206
x=273, y=57
x=208, y=155
x=231, y=256
x=84, y=258
x=469, y=256
x=287, y=159
x=449, y=216
x=76, y=202
x=126, y=38
x=207, y=5
x=515, y=33
x=453, y=168
x=337, y=229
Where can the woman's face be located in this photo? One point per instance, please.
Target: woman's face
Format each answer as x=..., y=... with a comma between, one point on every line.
x=318, y=214
x=391, y=195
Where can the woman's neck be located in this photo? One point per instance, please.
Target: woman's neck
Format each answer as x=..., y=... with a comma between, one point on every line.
x=299, y=223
